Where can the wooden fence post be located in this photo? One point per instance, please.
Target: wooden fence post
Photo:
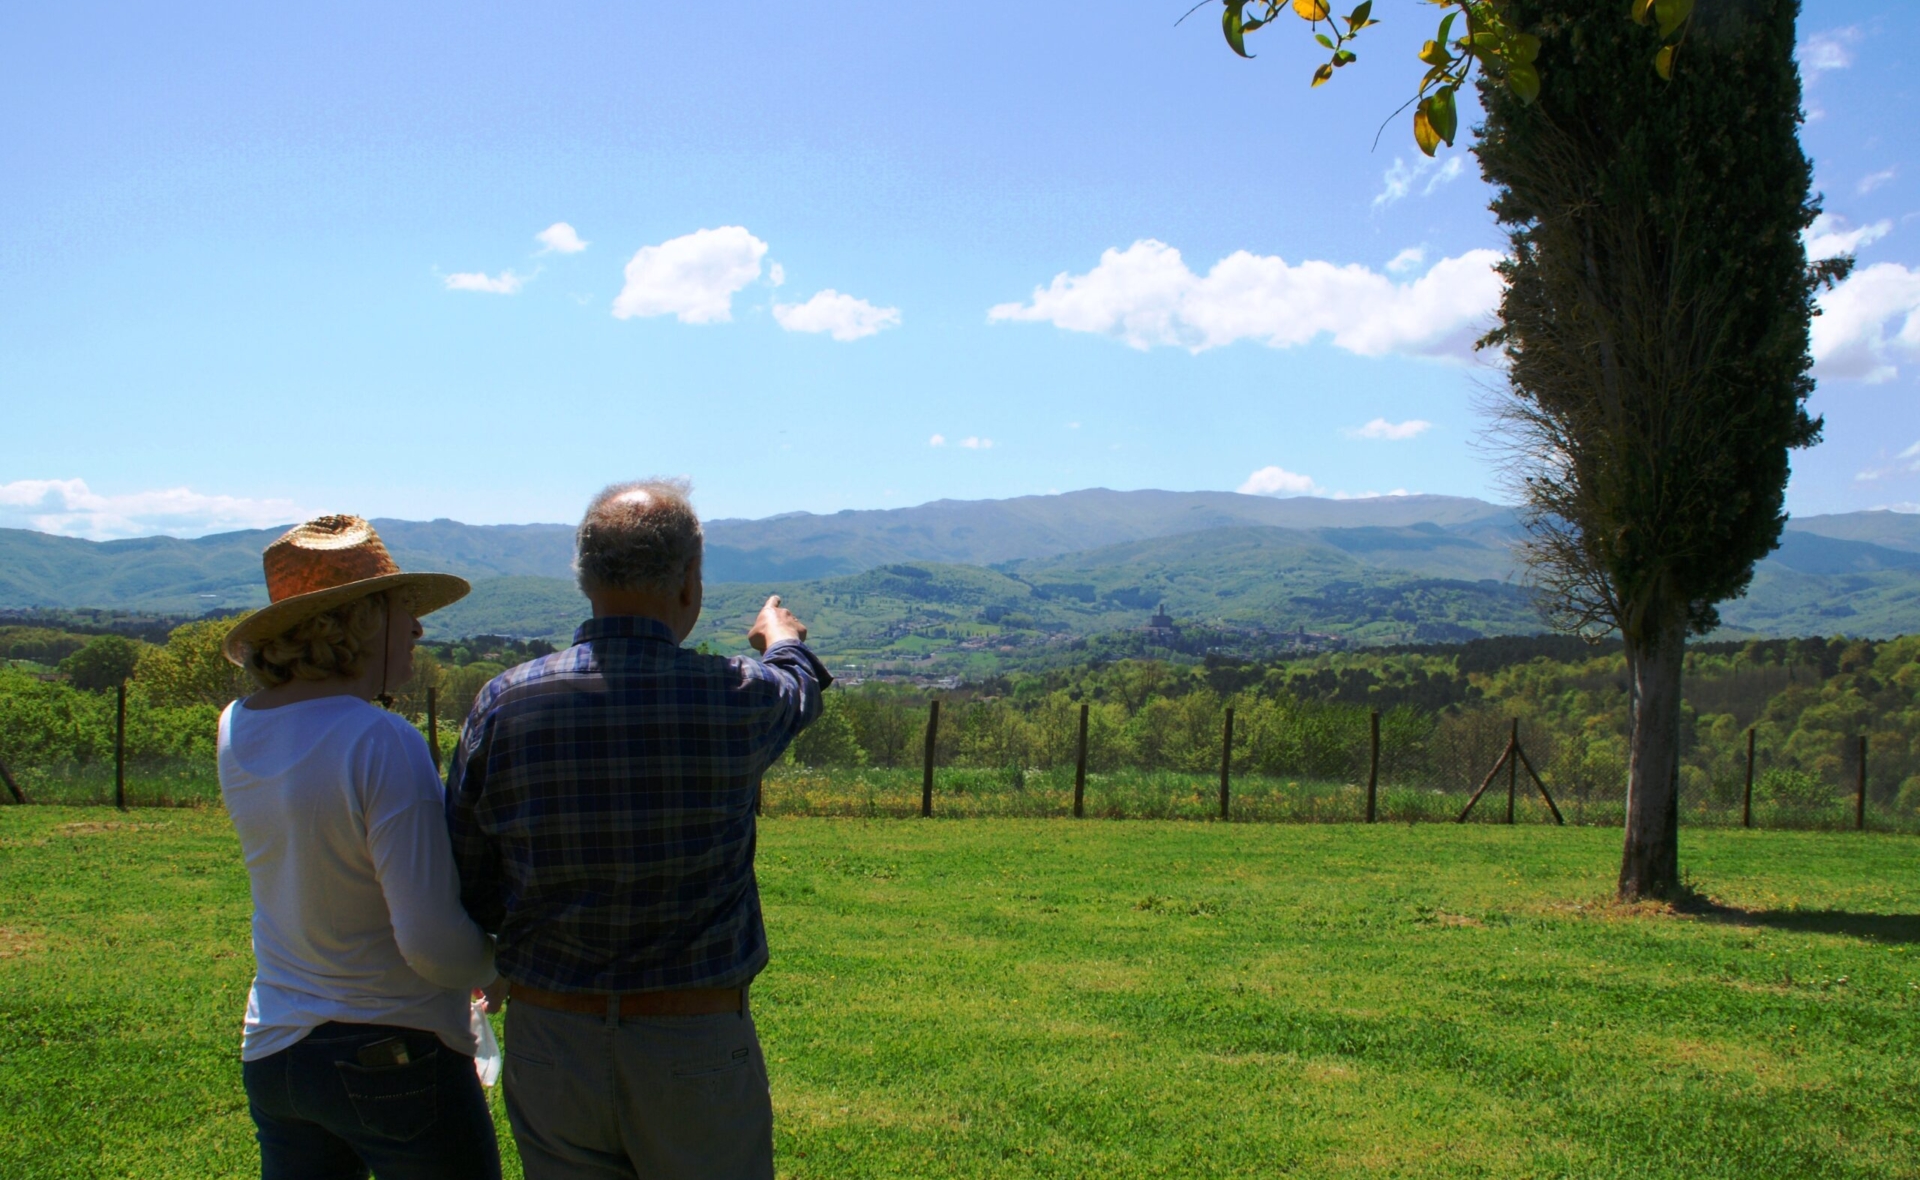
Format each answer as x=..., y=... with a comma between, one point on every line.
x=1513, y=768
x=1080, y=768
x=120, y=746
x=926, y=778
x=13, y=788
x=1746, y=806
x=1373, y=765
x=1860, y=792
x=433, y=726
x=1226, y=761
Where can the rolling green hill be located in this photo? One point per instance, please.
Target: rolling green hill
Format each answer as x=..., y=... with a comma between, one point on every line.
x=1894, y=530
x=986, y=532
x=976, y=582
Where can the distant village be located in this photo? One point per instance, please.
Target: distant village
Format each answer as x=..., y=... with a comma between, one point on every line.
x=1159, y=636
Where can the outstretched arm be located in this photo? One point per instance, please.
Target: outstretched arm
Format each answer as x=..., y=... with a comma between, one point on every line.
x=797, y=673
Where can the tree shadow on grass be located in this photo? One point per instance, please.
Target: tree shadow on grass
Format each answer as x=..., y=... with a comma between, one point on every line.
x=1885, y=928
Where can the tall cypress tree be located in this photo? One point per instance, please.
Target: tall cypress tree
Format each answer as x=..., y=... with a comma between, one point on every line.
x=1656, y=332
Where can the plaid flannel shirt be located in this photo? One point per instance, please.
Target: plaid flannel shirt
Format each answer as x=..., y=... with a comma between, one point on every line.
x=601, y=807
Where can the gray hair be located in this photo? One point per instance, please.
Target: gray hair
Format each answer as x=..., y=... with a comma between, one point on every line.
x=638, y=536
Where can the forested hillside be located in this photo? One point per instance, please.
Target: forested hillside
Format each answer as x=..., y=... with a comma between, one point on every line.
x=970, y=587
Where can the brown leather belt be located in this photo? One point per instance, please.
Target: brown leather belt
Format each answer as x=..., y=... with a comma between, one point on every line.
x=689, y=1001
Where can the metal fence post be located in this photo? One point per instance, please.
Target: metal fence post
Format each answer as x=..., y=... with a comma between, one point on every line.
x=926, y=778
x=1373, y=765
x=1080, y=768
x=1746, y=806
x=1513, y=767
x=1860, y=792
x=1226, y=761
x=120, y=746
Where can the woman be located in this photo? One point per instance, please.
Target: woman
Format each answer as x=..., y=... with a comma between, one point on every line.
x=358, y=1048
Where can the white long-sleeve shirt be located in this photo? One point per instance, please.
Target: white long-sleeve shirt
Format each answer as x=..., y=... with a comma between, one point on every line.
x=356, y=900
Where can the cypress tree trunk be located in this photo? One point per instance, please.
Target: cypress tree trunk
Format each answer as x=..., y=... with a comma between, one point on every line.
x=1650, y=863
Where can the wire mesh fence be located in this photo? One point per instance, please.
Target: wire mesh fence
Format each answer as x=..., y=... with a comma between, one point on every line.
x=1297, y=765
x=1333, y=769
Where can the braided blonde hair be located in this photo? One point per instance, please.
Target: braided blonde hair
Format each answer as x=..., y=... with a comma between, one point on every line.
x=327, y=645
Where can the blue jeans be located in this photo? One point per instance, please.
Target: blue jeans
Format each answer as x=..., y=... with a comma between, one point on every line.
x=321, y=1115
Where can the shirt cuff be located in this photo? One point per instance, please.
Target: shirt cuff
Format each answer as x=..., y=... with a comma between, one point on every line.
x=819, y=670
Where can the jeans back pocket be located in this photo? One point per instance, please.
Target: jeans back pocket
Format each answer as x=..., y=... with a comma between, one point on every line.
x=398, y=1102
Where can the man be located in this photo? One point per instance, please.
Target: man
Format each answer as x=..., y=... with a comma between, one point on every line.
x=602, y=811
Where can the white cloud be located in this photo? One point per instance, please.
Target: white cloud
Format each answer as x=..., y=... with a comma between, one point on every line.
x=507, y=284
x=1401, y=179
x=776, y=275
x=1906, y=463
x=1830, y=237
x=1370, y=495
x=1146, y=296
x=69, y=507
x=844, y=316
x=559, y=238
x=692, y=278
x=1278, y=481
x=977, y=444
x=938, y=440
x=1874, y=180
x=1408, y=259
x=1831, y=50
x=1868, y=323
x=1380, y=428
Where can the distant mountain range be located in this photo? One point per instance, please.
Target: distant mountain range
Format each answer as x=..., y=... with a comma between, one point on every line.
x=1072, y=565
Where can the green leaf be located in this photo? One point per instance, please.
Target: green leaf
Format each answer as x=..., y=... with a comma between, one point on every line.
x=1642, y=12
x=1233, y=24
x=1434, y=54
x=1524, y=81
x=1322, y=74
x=1526, y=47
x=1324, y=40
x=1663, y=62
x=1344, y=56
x=1358, y=18
x=1423, y=133
x=1446, y=28
x=1671, y=14
x=1443, y=114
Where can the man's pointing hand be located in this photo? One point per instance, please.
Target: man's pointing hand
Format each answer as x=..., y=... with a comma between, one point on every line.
x=774, y=624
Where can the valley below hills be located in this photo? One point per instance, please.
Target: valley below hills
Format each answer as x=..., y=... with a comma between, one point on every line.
x=970, y=588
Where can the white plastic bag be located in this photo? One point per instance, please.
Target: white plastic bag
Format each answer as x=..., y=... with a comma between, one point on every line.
x=486, y=1062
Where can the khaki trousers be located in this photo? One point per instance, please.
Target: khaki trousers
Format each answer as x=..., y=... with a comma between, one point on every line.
x=638, y=1097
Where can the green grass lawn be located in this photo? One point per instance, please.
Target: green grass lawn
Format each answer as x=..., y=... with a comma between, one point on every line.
x=1051, y=998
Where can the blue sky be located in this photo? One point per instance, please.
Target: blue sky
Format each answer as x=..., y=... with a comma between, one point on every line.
x=269, y=263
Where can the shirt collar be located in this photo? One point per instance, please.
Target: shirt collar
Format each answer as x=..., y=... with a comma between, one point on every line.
x=624, y=627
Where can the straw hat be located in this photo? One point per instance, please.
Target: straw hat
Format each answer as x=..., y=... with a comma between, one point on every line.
x=327, y=562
